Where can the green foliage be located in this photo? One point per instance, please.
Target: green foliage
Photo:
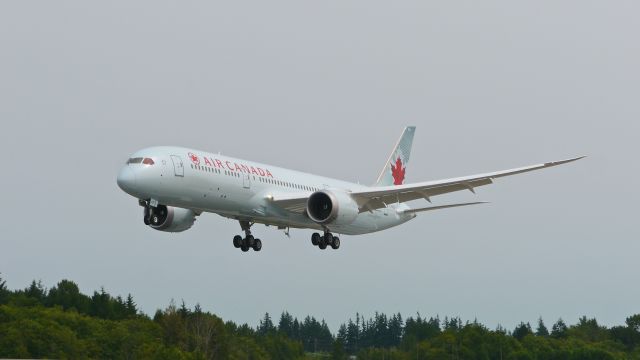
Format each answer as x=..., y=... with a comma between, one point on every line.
x=338, y=352
x=67, y=294
x=38, y=332
x=633, y=322
x=64, y=323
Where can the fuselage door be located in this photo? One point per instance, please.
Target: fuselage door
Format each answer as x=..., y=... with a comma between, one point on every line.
x=246, y=181
x=178, y=166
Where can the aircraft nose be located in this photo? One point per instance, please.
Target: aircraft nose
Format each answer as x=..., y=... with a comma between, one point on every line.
x=126, y=179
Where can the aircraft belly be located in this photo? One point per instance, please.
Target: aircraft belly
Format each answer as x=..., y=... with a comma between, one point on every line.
x=369, y=222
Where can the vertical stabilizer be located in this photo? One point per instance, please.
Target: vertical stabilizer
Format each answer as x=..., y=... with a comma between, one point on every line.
x=394, y=170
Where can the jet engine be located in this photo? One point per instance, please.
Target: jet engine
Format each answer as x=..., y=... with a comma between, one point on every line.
x=169, y=218
x=332, y=207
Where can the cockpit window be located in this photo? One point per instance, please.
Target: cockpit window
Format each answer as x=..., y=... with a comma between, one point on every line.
x=137, y=160
x=148, y=161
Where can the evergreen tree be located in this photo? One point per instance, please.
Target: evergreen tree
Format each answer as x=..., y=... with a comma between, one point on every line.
x=559, y=329
x=342, y=334
x=119, y=308
x=454, y=324
x=395, y=330
x=4, y=293
x=295, y=329
x=266, y=326
x=36, y=291
x=522, y=330
x=101, y=305
x=131, y=308
x=285, y=325
x=353, y=336
x=542, y=329
x=325, y=337
x=184, y=310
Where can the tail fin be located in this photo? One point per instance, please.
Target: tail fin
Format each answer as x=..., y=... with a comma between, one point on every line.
x=394, y=170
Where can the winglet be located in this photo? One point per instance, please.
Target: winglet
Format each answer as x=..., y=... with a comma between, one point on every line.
x=560, y=162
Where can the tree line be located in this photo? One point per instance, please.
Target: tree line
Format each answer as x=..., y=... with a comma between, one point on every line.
x=62, y=322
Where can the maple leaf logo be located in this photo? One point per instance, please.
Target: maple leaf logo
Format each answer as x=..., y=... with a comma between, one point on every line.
x=397, y=172
x=194, y=158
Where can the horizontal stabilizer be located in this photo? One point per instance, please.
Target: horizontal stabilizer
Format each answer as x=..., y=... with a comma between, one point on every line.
x=413, y=211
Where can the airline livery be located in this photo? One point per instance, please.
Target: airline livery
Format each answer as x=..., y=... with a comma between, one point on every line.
x=175, y=185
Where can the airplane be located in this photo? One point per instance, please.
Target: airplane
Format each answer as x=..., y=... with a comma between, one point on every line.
x=175, y=185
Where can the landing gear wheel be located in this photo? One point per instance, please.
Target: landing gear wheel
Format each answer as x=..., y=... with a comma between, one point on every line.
x=335, y=244
x=147, y=216
x=237, y=241
x=315, y=239
x=249, y=241
x=257, y=245
x=323, y=244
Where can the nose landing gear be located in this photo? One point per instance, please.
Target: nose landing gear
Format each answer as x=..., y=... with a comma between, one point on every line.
x=327, y=240
x=248, y=242
x=154, y=215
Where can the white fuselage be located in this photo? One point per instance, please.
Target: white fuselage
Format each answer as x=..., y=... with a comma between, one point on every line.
x=240, y=189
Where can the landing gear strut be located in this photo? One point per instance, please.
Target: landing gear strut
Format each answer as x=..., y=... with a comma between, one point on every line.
x=327, y=240
x=248, y=242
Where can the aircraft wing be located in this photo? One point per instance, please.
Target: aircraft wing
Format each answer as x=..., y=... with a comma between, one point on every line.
x=378, y=197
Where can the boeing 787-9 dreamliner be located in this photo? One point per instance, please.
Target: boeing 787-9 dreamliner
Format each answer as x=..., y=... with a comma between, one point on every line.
x=175, y=185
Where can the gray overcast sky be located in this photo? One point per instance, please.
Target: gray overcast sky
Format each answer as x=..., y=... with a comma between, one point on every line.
x=326, y=87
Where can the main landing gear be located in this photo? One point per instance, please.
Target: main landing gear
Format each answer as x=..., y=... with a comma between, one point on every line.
x=327, y=240
x=249, y=242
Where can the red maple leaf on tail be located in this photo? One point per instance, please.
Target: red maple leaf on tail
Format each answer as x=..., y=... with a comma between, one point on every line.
x=397, y=172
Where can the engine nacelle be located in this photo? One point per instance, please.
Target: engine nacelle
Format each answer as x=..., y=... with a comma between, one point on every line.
x=332, y=207
x=171, y=219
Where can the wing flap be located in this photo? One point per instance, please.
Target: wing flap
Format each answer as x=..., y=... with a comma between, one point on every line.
x=295, y=203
